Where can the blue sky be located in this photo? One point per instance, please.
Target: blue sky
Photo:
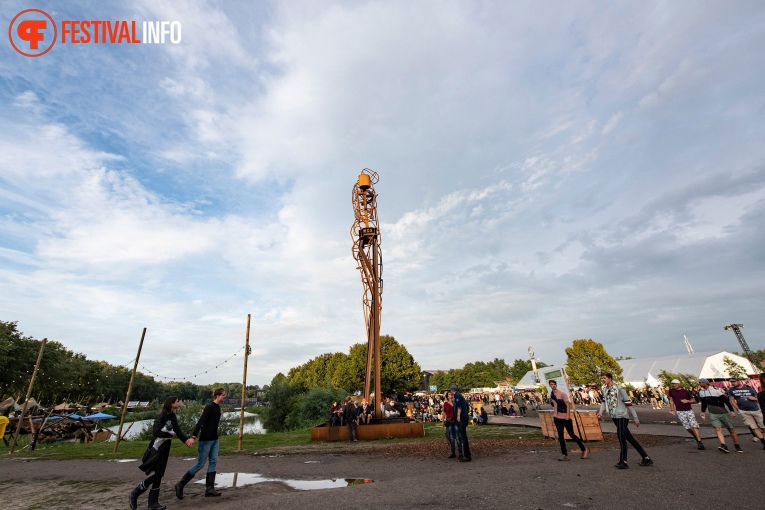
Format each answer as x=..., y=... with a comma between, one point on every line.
x=596, y=170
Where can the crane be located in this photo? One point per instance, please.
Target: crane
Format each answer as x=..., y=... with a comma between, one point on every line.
x=736, y=328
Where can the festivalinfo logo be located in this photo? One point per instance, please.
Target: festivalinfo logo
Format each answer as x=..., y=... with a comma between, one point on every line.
x=33, y=32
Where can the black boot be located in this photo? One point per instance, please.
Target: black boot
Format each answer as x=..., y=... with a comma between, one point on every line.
x=180, y=485
x=210, y=483
x=140, y=489
x=154, y=503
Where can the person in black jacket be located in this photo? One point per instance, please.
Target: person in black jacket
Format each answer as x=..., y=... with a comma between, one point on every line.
x=207, y=428
x=155, y=459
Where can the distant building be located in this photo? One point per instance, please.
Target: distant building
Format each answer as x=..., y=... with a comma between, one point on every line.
x=425, y=376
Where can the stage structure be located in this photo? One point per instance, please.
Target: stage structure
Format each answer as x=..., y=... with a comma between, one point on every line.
x=365, y=234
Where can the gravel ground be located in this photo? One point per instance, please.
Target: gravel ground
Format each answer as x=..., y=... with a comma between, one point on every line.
x=520, y=473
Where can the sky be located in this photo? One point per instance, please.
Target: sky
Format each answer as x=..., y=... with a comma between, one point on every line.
x=546, y=173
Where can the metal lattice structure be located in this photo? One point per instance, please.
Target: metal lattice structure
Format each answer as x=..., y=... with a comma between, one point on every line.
x=365, y=233
x=747, y=352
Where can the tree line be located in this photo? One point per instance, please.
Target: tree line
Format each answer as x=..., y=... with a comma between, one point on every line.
x=64, y=375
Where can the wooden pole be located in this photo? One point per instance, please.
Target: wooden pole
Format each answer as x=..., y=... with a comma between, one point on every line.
x=244, y=383
x=127, y=397
x=29, y=394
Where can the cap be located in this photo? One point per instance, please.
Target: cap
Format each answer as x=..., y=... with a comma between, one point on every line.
x=452, y=388
x=675, y=381
x=733, y=379
x=704, y=380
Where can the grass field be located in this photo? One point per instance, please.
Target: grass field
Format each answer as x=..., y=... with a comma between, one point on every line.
x=229, y=445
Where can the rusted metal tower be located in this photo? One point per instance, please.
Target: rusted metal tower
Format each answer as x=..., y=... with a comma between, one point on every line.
x=365, y=233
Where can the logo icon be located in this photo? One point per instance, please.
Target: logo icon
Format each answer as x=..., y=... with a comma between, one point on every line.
x=32, y=32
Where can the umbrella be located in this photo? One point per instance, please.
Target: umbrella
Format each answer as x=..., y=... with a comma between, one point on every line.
x=100, y=416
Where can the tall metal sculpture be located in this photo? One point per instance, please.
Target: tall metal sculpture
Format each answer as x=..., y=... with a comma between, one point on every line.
x=366, y=237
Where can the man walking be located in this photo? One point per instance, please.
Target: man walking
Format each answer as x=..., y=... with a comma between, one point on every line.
x=207, y=429
x=716, y=401
x=462, y=415
x=744, y=399
x=619, y=407
x=521, y=403
x=680, y=401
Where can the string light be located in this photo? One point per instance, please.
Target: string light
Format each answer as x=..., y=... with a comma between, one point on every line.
x=190, y=376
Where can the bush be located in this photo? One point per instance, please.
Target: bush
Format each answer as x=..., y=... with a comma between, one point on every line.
x=291, y=408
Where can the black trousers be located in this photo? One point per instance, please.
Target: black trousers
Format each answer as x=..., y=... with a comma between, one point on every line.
x=463, y=436
x=624, y=436
x=568, y=425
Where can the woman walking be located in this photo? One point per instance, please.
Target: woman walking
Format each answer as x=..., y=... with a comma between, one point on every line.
x=452, y=430
x=562, y=419
x=155, y=459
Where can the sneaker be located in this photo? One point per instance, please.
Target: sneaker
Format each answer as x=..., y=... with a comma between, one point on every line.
x=586, y=453
x=646, y=462
x=701, y=446
x=622, y=465
x=723, y=448
x=738, y=449
x=564, y=458
x=466, y=459
x=451, y=456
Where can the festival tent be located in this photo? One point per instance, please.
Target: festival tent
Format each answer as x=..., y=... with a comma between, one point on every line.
x=710, y=365
x=100, y=416
x=9, y=402
x=528, y=381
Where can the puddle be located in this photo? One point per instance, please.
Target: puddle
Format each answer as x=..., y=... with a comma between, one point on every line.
x=125, y=460
x=312, y=462
x=227, y=480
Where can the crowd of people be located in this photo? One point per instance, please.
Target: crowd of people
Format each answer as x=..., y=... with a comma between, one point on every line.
x=456, y=411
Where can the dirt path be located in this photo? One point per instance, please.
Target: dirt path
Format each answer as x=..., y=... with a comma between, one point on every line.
x=514, y=473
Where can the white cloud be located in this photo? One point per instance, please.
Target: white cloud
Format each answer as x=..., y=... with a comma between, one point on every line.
x=216, y=181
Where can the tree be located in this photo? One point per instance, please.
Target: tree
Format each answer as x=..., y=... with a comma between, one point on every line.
x=443, y=380
x=317, y=372
x=282, y=398
x=686, y=380
x=587, y=359
x=521, y=367
x=398, y=372
x=734, y=369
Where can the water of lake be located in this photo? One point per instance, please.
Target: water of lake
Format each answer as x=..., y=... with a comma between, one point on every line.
x=252, y=425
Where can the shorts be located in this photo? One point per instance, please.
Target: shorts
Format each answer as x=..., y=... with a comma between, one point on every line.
x=720, y=420
x=753, y=419
x=688, y=419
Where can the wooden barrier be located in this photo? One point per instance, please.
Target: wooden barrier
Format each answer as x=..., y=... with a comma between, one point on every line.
x=589, y=426
x=385, y=429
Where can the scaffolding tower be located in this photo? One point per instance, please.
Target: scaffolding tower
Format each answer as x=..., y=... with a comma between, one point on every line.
x=747, y=352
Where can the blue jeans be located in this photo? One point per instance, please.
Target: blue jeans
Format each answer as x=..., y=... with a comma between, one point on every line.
x=207, y=450
x=455, y=439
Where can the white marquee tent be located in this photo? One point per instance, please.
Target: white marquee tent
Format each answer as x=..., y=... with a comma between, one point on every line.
x=709, y=365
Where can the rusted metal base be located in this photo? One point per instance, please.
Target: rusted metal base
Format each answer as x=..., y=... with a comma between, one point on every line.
x=376, y=430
